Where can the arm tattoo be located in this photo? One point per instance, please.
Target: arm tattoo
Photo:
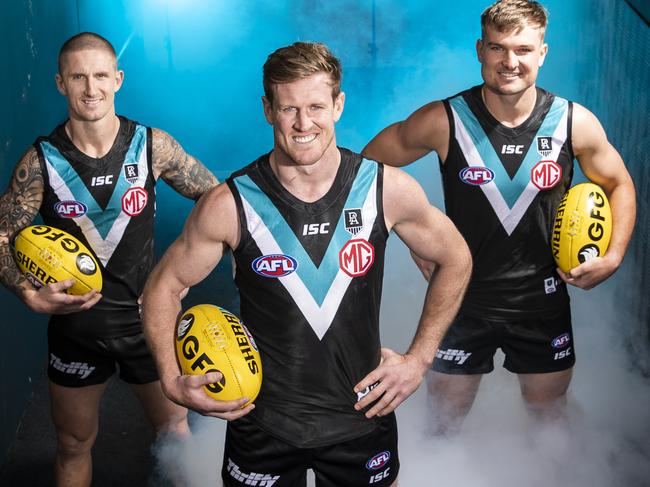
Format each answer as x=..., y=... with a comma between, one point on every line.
x=181, y=171
x=18, y=207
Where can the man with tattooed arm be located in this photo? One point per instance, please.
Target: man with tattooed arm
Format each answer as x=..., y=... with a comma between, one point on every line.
x=97, y=160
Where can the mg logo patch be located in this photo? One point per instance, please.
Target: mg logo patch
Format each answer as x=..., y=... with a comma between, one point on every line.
x=134, y=200
x=352, y=220
x=544, y=145
x=546, y=174
x=356, y=257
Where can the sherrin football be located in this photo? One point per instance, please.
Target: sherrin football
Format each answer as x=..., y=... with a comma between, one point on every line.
x=582, y=227
x=46, y=254
x=209, y=339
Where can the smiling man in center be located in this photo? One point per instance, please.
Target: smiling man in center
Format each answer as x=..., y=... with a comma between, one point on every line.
x=307, y=225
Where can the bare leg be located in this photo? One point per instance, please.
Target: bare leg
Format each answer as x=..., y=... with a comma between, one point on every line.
x=170, y=423
x=450, y=398
x=165, y=416
x=75, y=412
x=545, y=395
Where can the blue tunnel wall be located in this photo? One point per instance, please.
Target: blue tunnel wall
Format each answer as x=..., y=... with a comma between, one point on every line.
x=193, y=68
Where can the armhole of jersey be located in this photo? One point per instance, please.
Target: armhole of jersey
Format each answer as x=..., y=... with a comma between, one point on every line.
x=241, y=216
x=41, y=161
x=569, y=129
x=149, y=149
x=452, y=132
x=380, y=198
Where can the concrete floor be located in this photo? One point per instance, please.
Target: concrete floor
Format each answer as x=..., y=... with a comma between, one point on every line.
x=121, y=456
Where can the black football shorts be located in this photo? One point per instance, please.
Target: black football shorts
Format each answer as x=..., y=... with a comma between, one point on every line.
x=531, y=345
x=253, y=457
x=85, y=361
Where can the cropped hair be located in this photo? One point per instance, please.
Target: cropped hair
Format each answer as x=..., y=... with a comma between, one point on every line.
x=301, y=60
x=85, y=40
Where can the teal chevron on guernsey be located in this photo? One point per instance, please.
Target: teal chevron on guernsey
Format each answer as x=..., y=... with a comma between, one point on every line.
x=510, y=198
x=317, y=291
x=102, y=227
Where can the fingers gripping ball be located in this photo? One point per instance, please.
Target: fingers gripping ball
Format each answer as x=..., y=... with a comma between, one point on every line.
x=583, y=226
x=46, y=254
x=209, y=339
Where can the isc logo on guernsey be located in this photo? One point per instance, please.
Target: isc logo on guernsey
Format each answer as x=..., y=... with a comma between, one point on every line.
x=274, y=265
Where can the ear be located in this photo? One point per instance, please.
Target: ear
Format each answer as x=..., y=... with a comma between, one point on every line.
x=59, y=84
x=119, y=79
x=542, y=56
x=479, y=50
x=268, y=110
x=339, y=103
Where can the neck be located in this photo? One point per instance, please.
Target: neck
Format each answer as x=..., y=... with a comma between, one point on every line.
x=94, y=138
x=307, y=183
x=510, y=110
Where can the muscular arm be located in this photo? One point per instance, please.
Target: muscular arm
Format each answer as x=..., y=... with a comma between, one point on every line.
x=180, y=170
x=399, y=144
x=18, y=208
x=602, y=164
x=188, y=261
x=431, y=235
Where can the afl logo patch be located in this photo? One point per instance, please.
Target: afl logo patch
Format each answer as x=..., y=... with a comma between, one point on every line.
x=476, y=175
x=70, y=209
x=561, y=341
x=378, y=461
x=274, y=265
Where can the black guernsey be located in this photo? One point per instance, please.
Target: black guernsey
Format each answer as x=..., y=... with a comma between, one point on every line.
x=310, y=278
x=502, y=186
x=109, y=204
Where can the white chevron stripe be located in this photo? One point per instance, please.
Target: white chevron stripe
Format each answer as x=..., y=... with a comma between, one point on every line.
x=103, y=248
x=509, y=217
x=319, y=317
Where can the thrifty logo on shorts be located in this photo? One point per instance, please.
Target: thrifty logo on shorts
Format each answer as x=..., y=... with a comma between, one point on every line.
x=253, y=478
x=82, y=369
x=453, y=355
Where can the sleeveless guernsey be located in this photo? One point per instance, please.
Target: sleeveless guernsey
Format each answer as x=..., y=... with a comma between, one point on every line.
x=310, y=277
x=502, y=186
x=108, y=203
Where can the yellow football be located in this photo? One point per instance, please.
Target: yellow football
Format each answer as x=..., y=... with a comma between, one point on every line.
x=582, y=227
x=208, y=339
x=46, y=254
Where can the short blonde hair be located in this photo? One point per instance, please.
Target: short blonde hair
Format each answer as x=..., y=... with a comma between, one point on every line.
x=82, y=41
x=510, y=15
x=301, y=60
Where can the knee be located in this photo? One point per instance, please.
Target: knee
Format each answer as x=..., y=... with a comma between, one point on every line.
x=74, y=445
x=174, y=425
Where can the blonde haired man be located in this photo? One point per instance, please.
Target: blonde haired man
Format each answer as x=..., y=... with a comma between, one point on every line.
x=506, y=151
x=307, y=225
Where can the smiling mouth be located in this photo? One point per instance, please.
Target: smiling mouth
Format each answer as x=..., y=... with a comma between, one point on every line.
x=91, y=103
x=509, y=75
x=304, y=139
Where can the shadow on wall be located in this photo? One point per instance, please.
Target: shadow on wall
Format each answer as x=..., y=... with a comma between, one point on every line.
x=615, y=89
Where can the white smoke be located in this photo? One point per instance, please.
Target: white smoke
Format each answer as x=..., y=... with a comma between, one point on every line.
x=604, y=445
